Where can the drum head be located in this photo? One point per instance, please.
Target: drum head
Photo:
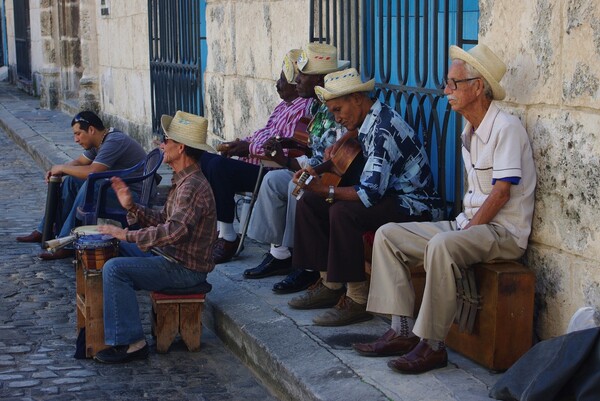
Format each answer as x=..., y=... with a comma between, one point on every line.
x=85, y=230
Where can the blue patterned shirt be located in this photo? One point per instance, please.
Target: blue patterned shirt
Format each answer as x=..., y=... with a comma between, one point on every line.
x=396, y=164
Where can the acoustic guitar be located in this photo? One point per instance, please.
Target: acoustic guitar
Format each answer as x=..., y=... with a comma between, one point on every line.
x=299, y=143
x=344, y=167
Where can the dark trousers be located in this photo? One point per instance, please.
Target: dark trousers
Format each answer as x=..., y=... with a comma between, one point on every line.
x=226, y=177
x=330, y=237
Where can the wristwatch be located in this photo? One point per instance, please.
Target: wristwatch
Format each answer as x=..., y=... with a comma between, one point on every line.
x=330, y=197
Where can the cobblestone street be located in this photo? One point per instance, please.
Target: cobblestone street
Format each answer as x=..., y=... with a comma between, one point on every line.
x=37, y=322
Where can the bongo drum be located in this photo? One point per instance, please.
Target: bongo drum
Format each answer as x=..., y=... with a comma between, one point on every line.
x=93, y=249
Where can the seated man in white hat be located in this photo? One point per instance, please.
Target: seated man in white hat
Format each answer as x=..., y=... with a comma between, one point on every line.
x=229, y=176
x=172, y=250
x=495, y=222
x=396, y=184
x=274, y=213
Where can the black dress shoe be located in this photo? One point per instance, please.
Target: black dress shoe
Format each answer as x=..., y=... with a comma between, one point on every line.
x=118, y=354
x=270, y=267
x=296, y=281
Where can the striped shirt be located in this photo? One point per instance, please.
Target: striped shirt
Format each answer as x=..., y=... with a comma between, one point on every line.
x=281, y=122
x=185, y=228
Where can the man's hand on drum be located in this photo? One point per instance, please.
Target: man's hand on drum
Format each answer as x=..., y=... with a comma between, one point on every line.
x=123, y=193
x=114, y=231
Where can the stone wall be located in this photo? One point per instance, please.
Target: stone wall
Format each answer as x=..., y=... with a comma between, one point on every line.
x=552, y=50
x=247, y=41
x=123, y=69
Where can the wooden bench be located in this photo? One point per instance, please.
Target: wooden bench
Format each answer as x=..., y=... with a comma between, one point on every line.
x=503, y=327
x=177, y=314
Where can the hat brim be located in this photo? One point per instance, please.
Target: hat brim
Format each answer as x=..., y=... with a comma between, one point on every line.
x=342, y=64
x=497, y=89
x=325, y=95
x=165, y=121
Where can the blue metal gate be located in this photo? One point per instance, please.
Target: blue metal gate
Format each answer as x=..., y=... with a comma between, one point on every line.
x=177, y=56
x=22, y=39
x=404, y=46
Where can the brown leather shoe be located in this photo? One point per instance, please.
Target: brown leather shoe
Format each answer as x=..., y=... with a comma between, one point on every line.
x=59, y=254
x=344, y=313
x=35, y=236
x=421, y=359
x=317, y=296
x=388, y=344
x=224, y=250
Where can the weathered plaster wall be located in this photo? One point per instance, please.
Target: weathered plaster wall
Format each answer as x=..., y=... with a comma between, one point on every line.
x=552, y=50
x=123, y=70
x=247, y=41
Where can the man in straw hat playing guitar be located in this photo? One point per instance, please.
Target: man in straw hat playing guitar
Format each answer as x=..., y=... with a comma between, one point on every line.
x=228, y=176
x=395, y=185
x=172, y=250
x=274, y=213
x=495, y=222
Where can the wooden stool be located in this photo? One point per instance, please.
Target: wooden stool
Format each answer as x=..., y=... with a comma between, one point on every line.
x=177, y=314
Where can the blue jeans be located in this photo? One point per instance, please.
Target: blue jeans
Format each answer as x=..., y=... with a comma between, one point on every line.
x=73, y=196
x=123, y=276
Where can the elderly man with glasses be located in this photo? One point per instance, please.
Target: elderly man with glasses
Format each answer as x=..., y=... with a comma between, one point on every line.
x=105, y=149
x=495, y=222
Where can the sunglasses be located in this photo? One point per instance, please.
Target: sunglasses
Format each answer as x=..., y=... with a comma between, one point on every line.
x=79, y=119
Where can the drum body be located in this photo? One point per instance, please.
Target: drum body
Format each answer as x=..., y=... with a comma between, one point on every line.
x=94, y=249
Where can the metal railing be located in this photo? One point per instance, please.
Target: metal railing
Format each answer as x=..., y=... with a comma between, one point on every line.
x=22, y=39
x=403, y=44
x=177, y=38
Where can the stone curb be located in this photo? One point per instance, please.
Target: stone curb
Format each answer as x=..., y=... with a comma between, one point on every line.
x=282, y=355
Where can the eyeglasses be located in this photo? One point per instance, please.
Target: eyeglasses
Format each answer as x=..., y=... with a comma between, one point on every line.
x=451, y=82
x=165, y=137
x=79, y=119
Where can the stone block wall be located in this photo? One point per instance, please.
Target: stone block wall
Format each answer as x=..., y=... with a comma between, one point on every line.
x=552, y=51
x=123, y=68
x=247, y=41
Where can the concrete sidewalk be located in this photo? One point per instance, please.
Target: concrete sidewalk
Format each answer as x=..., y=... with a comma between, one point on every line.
x=294, y=358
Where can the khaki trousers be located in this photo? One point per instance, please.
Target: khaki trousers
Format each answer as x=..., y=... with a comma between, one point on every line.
x=442, y=251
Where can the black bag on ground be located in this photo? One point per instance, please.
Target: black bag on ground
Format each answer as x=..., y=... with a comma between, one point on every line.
x=566, y=366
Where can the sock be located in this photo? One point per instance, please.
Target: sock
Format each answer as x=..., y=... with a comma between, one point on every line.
x=328, y=284
x=436, y=345
x=227, y=232
x=136, y=346
x=358, y=292
x=280, y=252
x=403, y=325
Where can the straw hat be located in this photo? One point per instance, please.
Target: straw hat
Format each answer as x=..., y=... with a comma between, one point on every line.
x=486, y=62
x=290, y=65
x=188, y=129
x=342, y=83
x=320, y=58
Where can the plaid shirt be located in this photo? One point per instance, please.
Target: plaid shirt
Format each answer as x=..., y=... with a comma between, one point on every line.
x=282, y=122
x=185, y=228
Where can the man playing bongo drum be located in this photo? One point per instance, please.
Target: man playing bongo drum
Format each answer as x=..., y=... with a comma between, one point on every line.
x=182, y=233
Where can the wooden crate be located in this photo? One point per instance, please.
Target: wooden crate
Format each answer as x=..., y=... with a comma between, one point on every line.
x=89, y=299
x=503, y=328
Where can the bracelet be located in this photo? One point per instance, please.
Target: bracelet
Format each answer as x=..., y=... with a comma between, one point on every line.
x=330, y=197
